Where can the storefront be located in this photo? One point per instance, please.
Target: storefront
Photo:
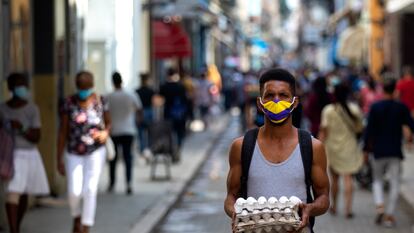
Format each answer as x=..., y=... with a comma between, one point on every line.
x=399, y=34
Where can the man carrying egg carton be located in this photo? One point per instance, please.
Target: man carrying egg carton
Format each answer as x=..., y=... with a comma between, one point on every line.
x=266, y=215
x=276, y=160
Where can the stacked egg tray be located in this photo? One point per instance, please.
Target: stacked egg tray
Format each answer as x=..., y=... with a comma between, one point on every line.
x=272, y=215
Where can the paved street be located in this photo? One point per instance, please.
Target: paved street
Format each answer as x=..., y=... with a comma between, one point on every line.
x=201, y=208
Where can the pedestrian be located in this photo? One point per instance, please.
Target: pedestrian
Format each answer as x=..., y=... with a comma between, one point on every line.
x=146, y=94
x=190, y=89
x=29, y=176
x=383, y=138
x=341, y=122
x=318, y=99
x=175, y=107
x=204, y=98
x=84, y=128
x=277, y=159
x=126, y=111
x=405, y=89
x=370, y=93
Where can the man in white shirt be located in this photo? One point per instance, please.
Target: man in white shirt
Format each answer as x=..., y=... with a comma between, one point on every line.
x=125, y=109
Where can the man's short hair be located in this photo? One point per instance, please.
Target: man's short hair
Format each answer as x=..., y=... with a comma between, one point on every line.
x=278, y=74
x=171, y=71
x=144, y=76
x=116, y=78
x=389, y=83
x=407, y=70
x=13, y=77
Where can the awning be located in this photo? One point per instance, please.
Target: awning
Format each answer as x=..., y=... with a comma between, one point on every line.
x=170, y=40
x=353, y=43
x=394, y=6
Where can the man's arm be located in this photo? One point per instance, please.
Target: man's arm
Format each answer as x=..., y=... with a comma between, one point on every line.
x=320, y=185
x=408, y=120
x=320, y=180
x=233, y=178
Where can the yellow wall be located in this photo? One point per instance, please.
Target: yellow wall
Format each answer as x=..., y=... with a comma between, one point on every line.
x=45, y=96
x=376, y=43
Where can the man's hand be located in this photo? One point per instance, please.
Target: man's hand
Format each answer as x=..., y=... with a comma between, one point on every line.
x=233, y=222
x=305, y=209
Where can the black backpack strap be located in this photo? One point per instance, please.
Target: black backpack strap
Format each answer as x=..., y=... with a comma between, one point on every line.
x=305, y=142
x=249, y=142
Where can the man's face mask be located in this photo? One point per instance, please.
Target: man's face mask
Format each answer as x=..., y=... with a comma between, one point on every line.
x=21, y=92
x=277, y=111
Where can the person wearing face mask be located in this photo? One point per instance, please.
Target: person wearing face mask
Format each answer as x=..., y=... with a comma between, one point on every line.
x=29, y=177
x=278, y=159
x=84, y=128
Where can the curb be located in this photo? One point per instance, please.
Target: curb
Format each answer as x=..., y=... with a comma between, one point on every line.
x=157, y=213
x=407, y=200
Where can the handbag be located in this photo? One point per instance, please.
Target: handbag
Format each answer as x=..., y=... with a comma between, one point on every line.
x=364, y=176
x=6, y=153
x=109, y=144
x=110, y=149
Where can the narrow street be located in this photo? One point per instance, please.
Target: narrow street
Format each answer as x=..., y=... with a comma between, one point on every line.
x=201, y=208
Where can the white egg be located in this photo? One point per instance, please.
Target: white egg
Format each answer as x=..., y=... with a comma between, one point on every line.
x=261, y=200
x=240, y=201
x=239, y=205
x=272, y=200
x=272, y=203
x=295, y=200
x=251, y=204
x=283, y=199
x=250, y=200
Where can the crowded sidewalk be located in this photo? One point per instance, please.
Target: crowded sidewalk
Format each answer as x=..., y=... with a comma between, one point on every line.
x=140, y=212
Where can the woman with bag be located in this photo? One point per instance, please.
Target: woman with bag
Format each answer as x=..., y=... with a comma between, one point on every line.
x=340, y=124
x=27, y=174
x=84, y=130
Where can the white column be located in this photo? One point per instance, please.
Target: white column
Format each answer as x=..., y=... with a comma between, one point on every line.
x=124, y=35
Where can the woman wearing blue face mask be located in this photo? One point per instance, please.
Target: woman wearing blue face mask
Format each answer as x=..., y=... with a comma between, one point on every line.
x=29, y=175
x=84, y=129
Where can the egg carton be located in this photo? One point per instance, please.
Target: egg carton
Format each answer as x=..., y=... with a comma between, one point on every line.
x=269, y=228
x=280, y=214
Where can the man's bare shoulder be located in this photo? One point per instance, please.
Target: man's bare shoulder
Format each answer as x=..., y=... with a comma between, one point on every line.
x=318, y=150
x=317, y=144
x=235, y=149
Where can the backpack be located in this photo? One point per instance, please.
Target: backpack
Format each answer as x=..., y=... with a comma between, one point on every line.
x=178, y=109
x=305, y=143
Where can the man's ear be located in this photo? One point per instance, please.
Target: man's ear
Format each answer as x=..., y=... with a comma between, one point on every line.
x=296, y=103
x=259, y=105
